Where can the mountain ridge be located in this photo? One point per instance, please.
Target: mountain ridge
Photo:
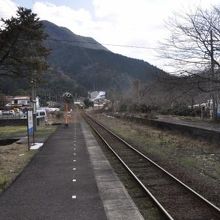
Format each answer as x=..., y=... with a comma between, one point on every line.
x=78, y=67
x=94, y=67
x=60, y=33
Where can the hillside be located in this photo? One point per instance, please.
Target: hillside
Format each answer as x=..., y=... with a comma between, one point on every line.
x=90, y=65
x=58, y=34
x=79, y=64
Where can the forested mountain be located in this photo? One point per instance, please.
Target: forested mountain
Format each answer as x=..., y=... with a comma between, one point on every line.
x=90, y=64
x=79, y=64
x=63, y=34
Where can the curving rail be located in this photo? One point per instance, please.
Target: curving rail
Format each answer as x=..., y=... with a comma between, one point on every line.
x=174, y=198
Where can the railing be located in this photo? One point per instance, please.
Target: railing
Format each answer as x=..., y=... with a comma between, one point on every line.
x=13, y=116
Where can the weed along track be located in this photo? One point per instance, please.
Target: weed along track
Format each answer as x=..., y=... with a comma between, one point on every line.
x=175, y=199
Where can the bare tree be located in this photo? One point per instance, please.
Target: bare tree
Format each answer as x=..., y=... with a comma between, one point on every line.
x=194, y=49
x=168, y=90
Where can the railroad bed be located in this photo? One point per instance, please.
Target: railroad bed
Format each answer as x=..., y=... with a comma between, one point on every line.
x=175, y=199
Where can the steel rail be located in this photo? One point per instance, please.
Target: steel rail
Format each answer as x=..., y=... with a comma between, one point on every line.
x=158, y=166
x=161, y=208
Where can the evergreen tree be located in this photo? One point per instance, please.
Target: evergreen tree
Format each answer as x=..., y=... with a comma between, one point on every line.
x=22, y=52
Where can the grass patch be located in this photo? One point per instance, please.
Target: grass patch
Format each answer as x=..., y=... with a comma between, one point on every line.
x=45, y=131
x=196, y=159
x=12, y=131
x=3, y=182
x=14, y=157
x=19, y=131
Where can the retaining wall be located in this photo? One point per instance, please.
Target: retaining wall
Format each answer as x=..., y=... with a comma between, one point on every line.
x=17, y=122
x=203, y=133
x=4, y=122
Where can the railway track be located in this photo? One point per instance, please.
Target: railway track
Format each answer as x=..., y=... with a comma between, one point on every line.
x=175, y=199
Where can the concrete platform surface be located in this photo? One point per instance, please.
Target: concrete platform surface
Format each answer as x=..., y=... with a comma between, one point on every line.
x=118, y=204
x=69, y=178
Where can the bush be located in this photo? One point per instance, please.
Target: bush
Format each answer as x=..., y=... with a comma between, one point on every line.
x=123, y=108
x=88, y=103
x=142, y=108
x=181, y=110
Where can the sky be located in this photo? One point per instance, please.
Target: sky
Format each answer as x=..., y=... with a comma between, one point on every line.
x=138, y=23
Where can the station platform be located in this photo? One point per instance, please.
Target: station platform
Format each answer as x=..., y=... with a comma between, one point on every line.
x=69, y=178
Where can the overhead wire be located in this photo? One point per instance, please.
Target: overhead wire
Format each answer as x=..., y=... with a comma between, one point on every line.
x=101, y=44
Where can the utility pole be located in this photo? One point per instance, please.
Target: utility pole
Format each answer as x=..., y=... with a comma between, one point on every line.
x=33, y=99
x=213, y=95
x=33, y=112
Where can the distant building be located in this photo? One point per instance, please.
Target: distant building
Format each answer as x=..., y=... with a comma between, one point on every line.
x=22, y=101
x=97, y=96
x=92, y=95
x=19, y=101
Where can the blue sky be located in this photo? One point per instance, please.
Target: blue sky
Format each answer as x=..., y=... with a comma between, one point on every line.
x=138, y=23
x=77, y=4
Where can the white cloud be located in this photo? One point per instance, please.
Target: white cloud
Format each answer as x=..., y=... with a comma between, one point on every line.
x=125, y=22
x=76, y=20
x=112, y=23
x=141, y=22
x=8, y=8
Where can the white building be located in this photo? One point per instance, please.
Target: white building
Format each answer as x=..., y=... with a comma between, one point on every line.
x=97, y=96
x=22, y=101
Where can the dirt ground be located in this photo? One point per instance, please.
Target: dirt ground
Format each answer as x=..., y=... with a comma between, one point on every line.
x=196, y=162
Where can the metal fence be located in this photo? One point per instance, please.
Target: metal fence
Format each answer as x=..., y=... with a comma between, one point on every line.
x=12, y=116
